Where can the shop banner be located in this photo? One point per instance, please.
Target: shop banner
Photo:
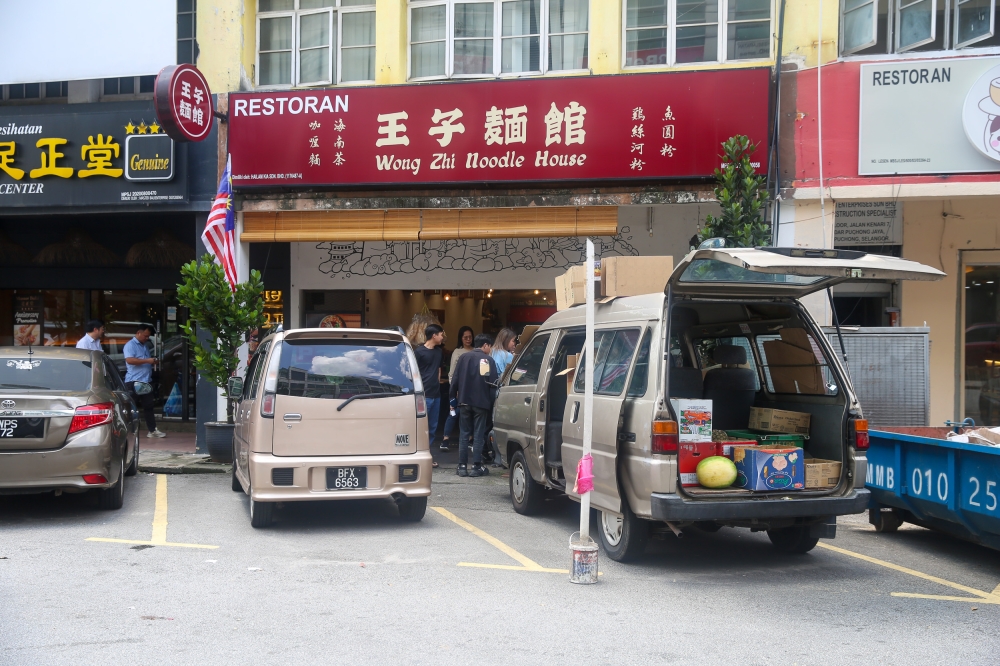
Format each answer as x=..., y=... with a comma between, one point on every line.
x=930, y=116
x=88, y=155
x=28, y=313
x=868, y=223
x=624, y=127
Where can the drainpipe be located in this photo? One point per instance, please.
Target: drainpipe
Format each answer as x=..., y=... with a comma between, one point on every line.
x=776, y=127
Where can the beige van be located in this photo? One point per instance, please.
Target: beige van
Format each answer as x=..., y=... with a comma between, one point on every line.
x=738, y=335
x=331, y=414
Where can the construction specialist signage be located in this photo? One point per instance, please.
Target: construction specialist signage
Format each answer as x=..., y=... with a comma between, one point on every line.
x=930, y=116
x=87, y=156
x=868, y=223
x=626, y=127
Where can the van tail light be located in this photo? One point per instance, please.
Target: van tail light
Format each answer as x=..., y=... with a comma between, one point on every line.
x=421, y=405
x=94, y=478
x=859, y=433
x=90, y=416
x=267, y=405
x=665, y=438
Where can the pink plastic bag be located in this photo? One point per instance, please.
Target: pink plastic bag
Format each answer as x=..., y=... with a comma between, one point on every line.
x=584, y=475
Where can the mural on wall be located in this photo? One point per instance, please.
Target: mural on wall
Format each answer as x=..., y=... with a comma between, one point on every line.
x=481, y=255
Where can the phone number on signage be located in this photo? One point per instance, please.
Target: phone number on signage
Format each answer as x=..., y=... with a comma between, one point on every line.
x=269, y=176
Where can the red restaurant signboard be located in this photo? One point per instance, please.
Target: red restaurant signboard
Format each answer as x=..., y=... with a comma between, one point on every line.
x=183, y=103
x=597, y=128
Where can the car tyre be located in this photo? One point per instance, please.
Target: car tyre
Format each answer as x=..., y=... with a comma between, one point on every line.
x=884, y=521
x=112, y=499
x=525, y=493
x=624, y=538
x=412, y=509
x=133, y=466
x=795, y=540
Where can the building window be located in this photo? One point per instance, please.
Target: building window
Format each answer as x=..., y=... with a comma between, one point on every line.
x=899, y=26
x=35, y=92
x=497, y=37
x=187, y=47
x=129, y=86
x=669, y=32
x=315, y=42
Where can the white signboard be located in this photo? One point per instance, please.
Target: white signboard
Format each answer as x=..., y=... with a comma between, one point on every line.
x=930, y=116
x=868, y=223
x=71, y=40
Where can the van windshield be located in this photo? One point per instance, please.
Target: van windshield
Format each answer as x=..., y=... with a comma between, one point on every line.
x=710, y=270
x=45, y=374
x=341, y=369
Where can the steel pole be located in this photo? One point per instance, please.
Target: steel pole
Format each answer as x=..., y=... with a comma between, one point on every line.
x=588, y=391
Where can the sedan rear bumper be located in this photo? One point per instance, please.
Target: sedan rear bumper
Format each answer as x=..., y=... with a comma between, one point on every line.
x=88, y=452
x=675, y=508
x=309, y=476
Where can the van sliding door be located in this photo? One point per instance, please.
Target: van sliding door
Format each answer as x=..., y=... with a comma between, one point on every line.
x=612, y=366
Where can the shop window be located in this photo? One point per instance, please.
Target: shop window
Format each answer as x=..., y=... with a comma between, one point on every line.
x=35, y=92
x=129, y=86
x=476, y=39
x=982, y=344
x=674, y=32
x=898, y=26
x=315, y=42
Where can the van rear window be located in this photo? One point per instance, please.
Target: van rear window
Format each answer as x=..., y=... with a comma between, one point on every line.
x=340, y=369
x=45, y=374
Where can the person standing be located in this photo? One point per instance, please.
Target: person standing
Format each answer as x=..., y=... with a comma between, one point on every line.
x=139, y=368
x=429, y=362
x=465, y=337
x=472, y=388
x=503, y=349
x=92, y=338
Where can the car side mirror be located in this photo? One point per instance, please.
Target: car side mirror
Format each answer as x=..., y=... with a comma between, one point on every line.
x=235, y=388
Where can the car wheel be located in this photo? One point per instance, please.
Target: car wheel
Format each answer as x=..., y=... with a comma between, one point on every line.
x=884, y=521
x=793, y=539
x=111, y=499
x=237, y=486
x=624, y=538
x=133, y=466
x=412, y=509
x=525, y=493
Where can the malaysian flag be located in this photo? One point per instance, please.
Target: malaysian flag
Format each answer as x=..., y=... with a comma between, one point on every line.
x=220, y=230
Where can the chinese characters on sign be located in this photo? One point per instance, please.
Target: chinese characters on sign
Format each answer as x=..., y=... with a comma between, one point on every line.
x=524, y=130
x=184, y=103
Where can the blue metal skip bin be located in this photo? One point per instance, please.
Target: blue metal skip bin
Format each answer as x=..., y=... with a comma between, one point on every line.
x=935, y=483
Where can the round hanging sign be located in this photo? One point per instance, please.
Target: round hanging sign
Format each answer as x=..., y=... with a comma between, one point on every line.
x=183, y=103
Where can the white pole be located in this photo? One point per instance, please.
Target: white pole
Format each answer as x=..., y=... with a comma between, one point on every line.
x=588, y=391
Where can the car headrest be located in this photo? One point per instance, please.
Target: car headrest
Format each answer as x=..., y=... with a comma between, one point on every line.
x=730, y=355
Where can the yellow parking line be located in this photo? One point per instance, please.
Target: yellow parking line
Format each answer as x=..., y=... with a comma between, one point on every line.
x=511, y=567
x=159, y=536
x=526, y=563
x=984, y=597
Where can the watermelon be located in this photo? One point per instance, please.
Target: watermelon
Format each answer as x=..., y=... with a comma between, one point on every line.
x=716, y=472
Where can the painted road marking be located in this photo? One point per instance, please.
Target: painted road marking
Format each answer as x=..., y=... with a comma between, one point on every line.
x=159, y=536
x=527, y=564
x=980, y=598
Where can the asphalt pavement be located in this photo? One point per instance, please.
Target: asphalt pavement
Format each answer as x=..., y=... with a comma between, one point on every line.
x=178, y=576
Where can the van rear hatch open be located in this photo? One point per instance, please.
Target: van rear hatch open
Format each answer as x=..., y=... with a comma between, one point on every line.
x=345, y=395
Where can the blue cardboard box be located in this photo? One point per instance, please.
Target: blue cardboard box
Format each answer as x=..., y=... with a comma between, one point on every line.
x=769, y=468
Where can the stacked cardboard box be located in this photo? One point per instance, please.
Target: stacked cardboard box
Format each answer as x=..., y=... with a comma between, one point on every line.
x=618, y=276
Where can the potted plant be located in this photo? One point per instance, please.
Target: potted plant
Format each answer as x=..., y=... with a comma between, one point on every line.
x=226, y=315
x=742, y=198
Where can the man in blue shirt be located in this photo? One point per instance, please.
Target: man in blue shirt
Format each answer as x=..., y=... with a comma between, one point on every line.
x=139, y=368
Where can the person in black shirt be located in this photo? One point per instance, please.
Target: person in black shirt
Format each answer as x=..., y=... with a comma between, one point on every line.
x=429, y=362
x=470, y=386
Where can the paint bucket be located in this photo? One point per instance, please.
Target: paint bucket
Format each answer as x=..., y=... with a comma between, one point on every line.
x=584, y=567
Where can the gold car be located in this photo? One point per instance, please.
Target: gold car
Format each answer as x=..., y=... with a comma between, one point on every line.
x=67, y=424
x=331, y=414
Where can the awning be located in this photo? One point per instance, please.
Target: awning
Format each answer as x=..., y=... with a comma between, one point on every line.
x=413, y=224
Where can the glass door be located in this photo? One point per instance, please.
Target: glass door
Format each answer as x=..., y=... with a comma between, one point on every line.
x=981, y=337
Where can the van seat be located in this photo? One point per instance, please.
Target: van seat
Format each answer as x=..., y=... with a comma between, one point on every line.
x=731, y=389
x=685, y=383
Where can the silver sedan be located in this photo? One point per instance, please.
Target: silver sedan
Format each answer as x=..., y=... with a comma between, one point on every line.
x=67, y=424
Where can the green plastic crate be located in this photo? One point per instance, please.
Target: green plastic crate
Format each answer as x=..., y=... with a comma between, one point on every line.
x=769, y=438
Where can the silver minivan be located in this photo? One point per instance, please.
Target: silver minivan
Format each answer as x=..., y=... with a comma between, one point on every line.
x=724, y=329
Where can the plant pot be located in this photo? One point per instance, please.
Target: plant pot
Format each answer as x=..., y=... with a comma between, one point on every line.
x=219, y=440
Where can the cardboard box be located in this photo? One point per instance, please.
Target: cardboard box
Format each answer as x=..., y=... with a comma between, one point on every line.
x=726, y=448
x=571, y=288
x=689, y=454
x=632, y=276
x=525, y=337
x=793, y=365
x=694, y=420
x=570, y=371
x=759, y=468
x=779, y=420
x=822, y=473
